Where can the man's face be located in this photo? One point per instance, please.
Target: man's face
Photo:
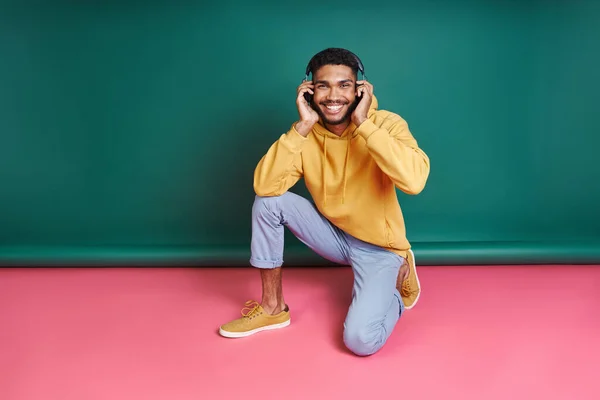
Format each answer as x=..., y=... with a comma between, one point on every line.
x=334, y=93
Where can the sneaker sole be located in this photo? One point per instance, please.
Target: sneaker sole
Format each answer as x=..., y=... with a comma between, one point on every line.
x=417, y=278
x=228, y=334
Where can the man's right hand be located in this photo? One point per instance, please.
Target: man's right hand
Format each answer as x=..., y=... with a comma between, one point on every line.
x=308, y=116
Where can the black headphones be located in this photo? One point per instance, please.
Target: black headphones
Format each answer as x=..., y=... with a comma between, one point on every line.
x=361, y=68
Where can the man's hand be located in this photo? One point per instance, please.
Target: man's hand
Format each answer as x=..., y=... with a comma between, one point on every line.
x=360, y=113
x=308, y=116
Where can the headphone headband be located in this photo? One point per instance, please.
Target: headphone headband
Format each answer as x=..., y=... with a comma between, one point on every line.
x=361, y=68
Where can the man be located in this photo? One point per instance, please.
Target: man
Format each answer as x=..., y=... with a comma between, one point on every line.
x=352, y=157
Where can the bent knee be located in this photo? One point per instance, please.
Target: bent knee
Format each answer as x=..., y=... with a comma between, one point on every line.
x=265, y=199
x=271, y=204
x=264, y=203
x=271, y=199
x=363, y=341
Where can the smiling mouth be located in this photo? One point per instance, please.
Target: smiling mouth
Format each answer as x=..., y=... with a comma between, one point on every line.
x=333, y=108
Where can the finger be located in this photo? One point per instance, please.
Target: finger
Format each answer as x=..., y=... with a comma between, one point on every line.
x=301, y=94
x=304, y=87
x=364, y=85
x=367, y=85
x=367, y=88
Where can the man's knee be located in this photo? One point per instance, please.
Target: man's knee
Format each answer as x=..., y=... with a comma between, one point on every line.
x=265, y=199
x=264, y=204
x=271, y=204
x=363, y=340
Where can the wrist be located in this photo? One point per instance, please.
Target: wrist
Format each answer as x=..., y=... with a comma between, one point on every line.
x=304, y=127
x=366, y=129
x=359, y=120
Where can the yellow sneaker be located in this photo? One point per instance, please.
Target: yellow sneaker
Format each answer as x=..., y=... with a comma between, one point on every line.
x=411, y=287
x=254, y=319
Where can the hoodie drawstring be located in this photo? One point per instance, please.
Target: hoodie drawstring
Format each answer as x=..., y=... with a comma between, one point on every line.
x=346, y=165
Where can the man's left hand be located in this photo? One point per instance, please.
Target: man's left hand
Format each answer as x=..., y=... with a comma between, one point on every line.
x=360, y=113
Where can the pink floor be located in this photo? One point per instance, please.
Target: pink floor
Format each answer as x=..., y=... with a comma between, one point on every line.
x=480, y=333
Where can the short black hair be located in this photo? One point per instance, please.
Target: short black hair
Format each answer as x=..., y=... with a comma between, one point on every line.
x=333, y=56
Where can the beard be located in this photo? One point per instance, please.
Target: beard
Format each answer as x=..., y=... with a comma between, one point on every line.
x=340, y=120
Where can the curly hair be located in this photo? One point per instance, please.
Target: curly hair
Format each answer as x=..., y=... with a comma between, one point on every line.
x=333, y=56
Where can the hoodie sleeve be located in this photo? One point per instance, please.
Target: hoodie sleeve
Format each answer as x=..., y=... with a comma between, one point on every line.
x=281, y=167
x=395, y=150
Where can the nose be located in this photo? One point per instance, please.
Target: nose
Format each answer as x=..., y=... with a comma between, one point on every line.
x=333, y=94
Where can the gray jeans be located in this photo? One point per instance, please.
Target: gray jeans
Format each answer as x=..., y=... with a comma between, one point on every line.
x=376, y=305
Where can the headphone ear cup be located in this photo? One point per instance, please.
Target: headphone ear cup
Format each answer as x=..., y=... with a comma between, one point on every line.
x=308, y=97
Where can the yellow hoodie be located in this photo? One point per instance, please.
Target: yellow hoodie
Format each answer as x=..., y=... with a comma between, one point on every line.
x=352, y=177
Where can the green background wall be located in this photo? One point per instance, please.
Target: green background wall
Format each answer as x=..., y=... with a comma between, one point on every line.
x=130, y=130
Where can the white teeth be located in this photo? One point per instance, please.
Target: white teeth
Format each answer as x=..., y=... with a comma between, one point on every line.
x=334, y=108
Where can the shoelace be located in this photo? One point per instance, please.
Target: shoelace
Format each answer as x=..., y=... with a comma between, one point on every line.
x=406, y=288
x=251, y=309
